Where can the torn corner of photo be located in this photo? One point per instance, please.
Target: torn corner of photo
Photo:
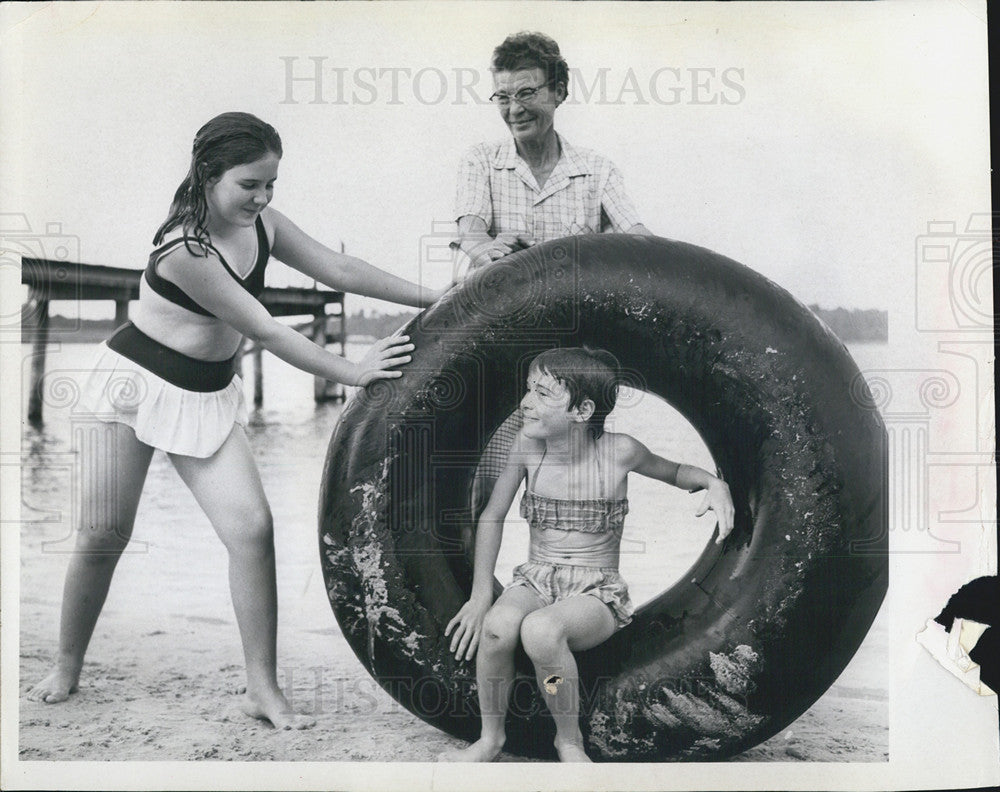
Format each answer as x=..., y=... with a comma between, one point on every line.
x=950, y=648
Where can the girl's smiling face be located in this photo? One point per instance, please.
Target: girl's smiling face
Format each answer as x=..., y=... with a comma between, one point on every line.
x=241, y=193
x=546, y=406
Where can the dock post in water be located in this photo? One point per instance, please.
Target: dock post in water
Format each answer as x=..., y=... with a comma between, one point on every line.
x=329, y=329
x=258, y=376
x=121, y=312
x=38, y=358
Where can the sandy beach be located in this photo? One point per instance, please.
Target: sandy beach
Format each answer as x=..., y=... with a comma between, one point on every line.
x=161, y=684
x=165, y=662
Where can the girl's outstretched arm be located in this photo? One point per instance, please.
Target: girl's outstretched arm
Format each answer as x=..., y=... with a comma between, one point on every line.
x=339, y=271
x=468, y=622
x=211, y=286
x=640, y=459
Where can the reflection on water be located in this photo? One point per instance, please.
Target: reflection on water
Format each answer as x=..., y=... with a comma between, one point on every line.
x=289, y=437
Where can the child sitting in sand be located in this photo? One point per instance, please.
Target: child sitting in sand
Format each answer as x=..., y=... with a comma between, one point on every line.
x=569, y=595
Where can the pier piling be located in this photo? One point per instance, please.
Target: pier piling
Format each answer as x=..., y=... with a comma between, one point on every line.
x=41, y=342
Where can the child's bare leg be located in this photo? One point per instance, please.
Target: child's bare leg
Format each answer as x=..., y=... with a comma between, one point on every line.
x=113, y=469
x=228, y=487
x=550, y=636
x=495, y=672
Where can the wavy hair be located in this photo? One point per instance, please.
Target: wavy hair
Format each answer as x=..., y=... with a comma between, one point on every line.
x=226, y=141
x=526, y=50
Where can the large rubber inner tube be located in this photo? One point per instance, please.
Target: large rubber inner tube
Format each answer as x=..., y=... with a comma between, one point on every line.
x=761, y=625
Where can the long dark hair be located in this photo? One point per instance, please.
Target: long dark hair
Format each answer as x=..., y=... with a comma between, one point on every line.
x=226, y=141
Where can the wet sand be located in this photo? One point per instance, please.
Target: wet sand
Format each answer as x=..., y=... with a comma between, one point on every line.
x=165, y=662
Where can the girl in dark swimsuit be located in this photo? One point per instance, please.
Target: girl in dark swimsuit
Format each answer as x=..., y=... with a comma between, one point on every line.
x=568, y=596
x=166, y=380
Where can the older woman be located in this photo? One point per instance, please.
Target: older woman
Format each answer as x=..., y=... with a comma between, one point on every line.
x=534, y=186
x=531, y=187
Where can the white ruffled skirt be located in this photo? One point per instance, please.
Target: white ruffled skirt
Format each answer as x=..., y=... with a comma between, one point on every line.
x=162, y=415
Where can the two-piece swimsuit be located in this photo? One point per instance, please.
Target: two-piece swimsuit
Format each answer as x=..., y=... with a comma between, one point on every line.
x=555, y=575
x=173, y=401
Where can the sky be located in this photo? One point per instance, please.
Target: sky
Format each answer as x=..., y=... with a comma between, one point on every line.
x=811, y=146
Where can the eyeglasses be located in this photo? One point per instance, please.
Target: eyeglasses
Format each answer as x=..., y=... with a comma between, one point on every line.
x=523, y=97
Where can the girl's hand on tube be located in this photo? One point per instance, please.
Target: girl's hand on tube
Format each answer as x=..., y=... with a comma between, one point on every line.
x=382, y=357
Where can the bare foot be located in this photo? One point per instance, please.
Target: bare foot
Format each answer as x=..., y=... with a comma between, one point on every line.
x=274, y=707
x=480, y=751
x=571, y=752
x=56, y=687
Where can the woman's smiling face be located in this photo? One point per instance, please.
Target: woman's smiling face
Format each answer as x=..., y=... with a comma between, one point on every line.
x=242, y=192
x=531, y=120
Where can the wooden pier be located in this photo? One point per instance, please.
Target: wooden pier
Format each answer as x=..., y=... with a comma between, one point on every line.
x=60, y=280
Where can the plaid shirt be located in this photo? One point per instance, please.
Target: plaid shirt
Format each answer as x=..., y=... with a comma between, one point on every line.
x=584, y=194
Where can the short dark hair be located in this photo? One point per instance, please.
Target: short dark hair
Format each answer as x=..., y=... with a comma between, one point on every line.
x=526, y=50
x=587, y=374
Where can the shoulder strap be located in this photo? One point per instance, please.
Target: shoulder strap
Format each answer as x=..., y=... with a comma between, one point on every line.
x=167, y=247
x=263, y=246
x=254, y=281
x=166, y=288
x=534, y=476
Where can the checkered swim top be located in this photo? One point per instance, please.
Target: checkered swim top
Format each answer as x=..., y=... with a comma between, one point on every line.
x=589, y=516
x=596, y=515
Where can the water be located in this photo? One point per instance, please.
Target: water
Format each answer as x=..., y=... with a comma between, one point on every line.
x=289, y=437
